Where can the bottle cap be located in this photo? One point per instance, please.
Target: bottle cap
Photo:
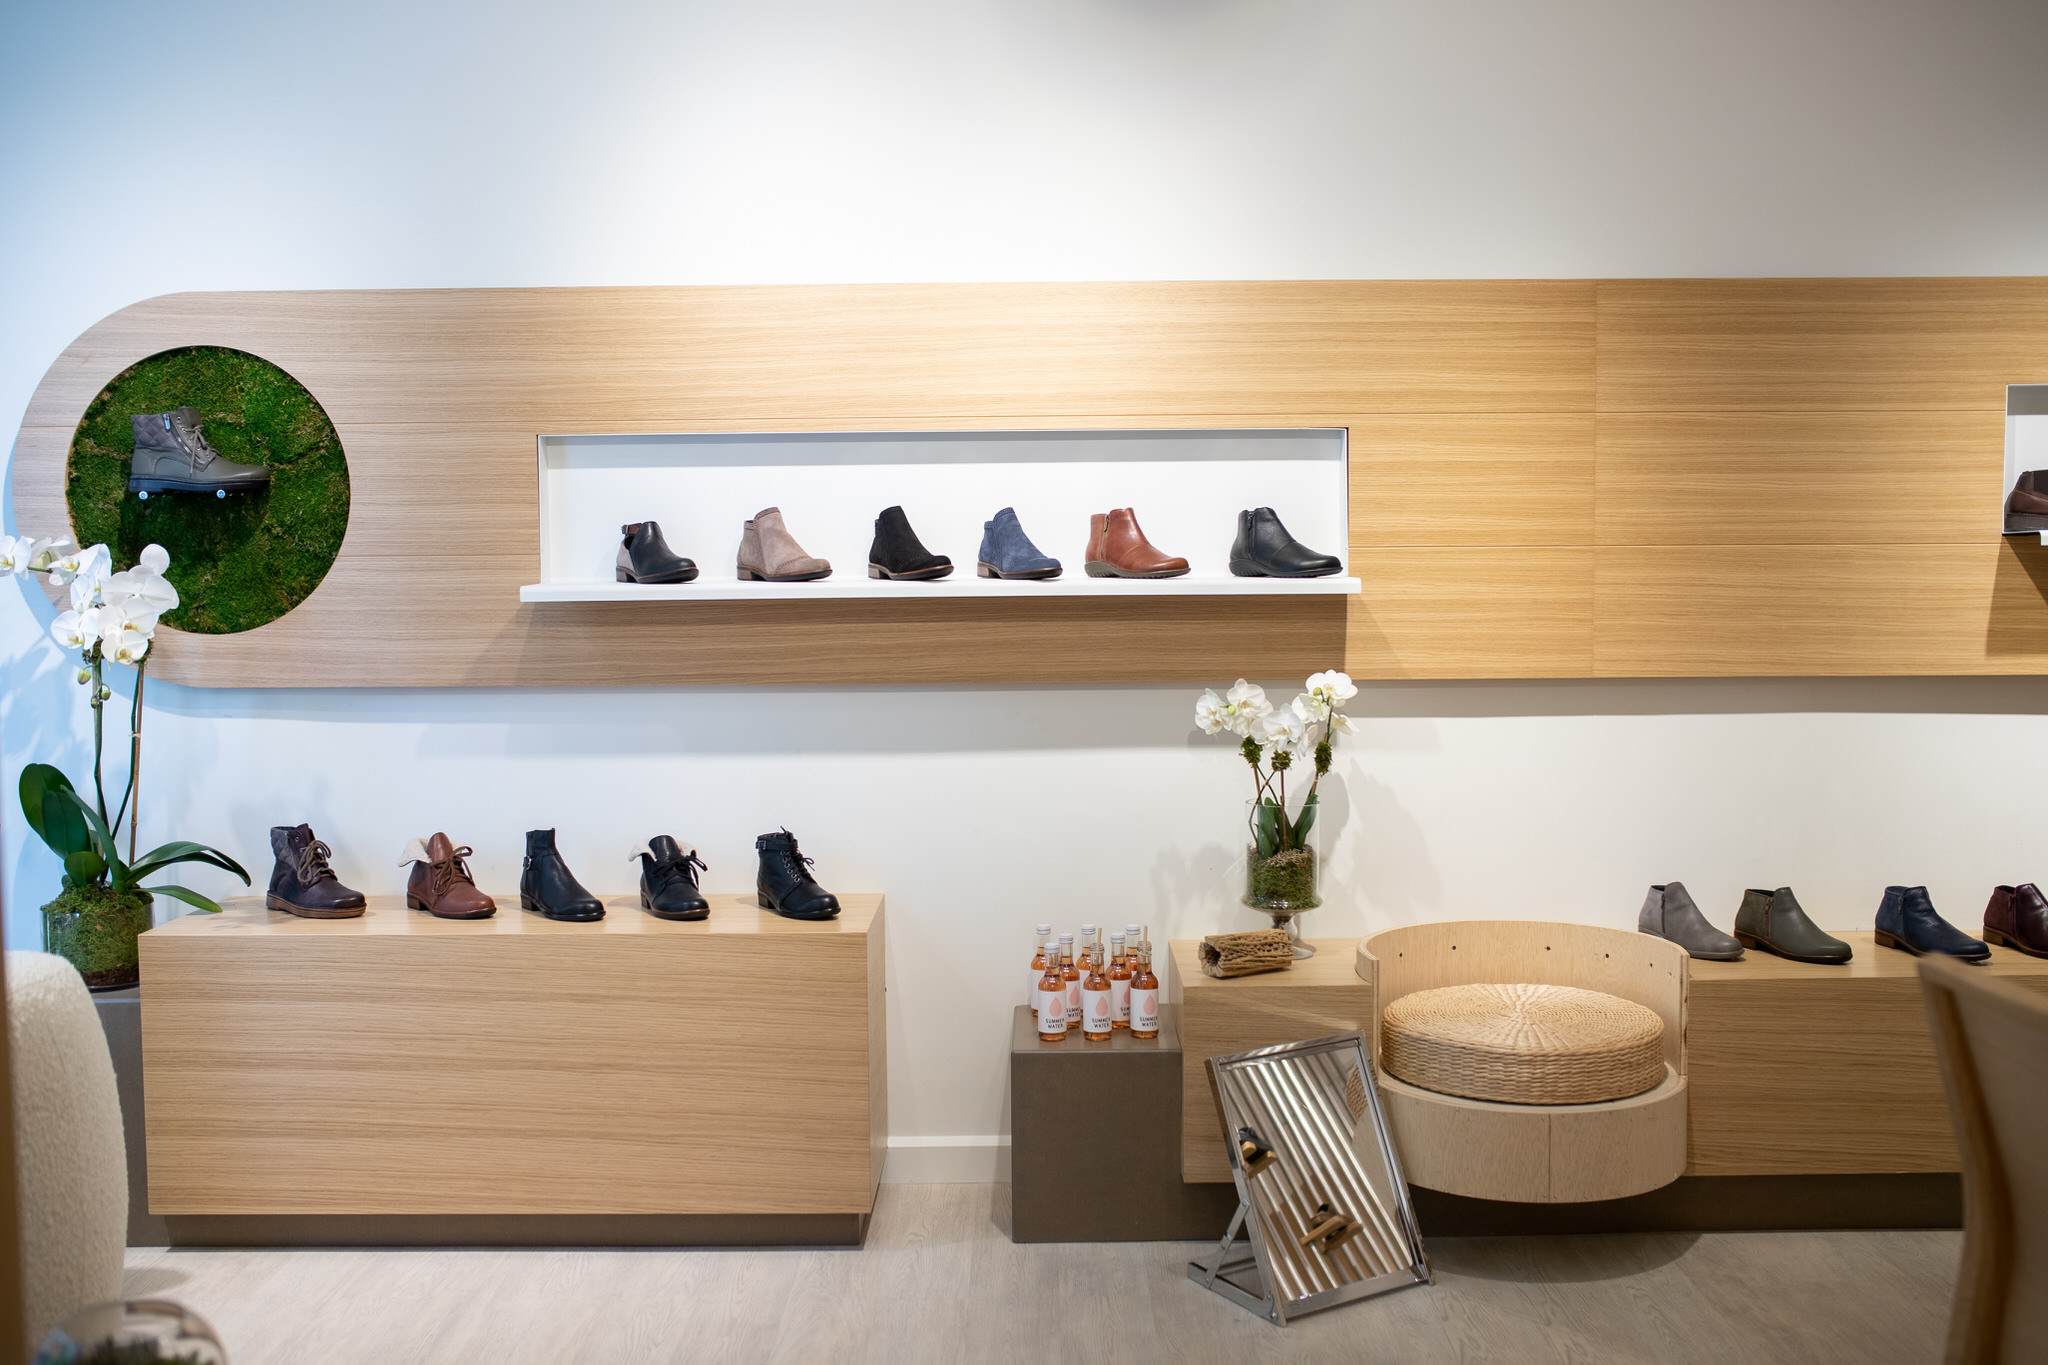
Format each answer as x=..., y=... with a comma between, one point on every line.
x=1066, y=938
x=1088, y=930
x=1044, y=930
x=1116, y=938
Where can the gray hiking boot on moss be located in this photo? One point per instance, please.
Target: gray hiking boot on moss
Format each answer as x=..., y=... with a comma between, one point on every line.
x=171, y=455
x=1669, y=913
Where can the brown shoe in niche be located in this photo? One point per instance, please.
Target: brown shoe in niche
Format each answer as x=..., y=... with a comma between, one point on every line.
x=2017, y=918
x=440, y=883
x=1118, y=549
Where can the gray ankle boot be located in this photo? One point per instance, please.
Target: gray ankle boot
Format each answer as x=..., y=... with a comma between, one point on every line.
x=171, y=455
x=1668, y=912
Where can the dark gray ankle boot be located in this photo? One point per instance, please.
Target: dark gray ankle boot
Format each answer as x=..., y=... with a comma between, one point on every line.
x=1668, y=912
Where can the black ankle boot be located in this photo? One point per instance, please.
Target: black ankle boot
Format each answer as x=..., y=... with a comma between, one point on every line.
x=668, y=880
x=644, y=557
x=546, y=884
x=785, y=884
x=898, y=553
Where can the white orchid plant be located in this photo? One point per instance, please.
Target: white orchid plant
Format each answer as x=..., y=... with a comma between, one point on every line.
x=1272, y=738
x=113, y=616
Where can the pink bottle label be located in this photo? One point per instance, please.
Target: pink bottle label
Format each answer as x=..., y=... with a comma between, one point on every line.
x=1052, y=1011
x=1145, y=1011
x=1120, y=1000
x=1095, y=1011
x=1074, y=1004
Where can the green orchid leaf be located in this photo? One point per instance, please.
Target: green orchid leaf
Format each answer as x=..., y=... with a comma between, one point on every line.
x=1268, y=828
x=1307, y=820
x=84, y=867
x=103, y=838
x=54, y=819
x=190, y=897
x=184, y=851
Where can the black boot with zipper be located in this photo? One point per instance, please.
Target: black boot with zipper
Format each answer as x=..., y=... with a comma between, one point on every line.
x=547, y=887
x=785, y=884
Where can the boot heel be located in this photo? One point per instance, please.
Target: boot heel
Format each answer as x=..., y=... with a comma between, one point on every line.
x=1994, y=936
x=412, y=902
x=986, y=571
x=1749, y=940
x=747, y=575
x=1098, y=569
x=1885, y=940
x=877, y=571
x=763, y=901
x=623, y=575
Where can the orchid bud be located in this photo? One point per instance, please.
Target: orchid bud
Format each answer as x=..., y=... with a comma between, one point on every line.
x=84, y=676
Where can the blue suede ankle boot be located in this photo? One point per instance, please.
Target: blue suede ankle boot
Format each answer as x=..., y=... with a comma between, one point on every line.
x=1006, y=552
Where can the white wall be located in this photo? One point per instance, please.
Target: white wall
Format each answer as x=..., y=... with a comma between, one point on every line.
x=149, y=148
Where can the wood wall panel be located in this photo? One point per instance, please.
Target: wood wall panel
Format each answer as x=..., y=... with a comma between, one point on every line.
x=1773, y=478
x=1759, y=610
x=1819, y=345
x=1473, y=611
x=1549, y=478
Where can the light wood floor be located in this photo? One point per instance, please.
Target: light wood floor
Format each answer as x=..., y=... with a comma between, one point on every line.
x=940, y=1281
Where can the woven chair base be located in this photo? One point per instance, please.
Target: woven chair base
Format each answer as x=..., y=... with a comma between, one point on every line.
x=1261, y=950
x=1523, y=1044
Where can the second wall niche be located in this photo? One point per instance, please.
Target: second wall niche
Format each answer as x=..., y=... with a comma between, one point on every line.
x=1187, y=487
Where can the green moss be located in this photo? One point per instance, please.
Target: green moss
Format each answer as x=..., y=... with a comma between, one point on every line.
x=237, y=561
x=95, y=930
x=1285, y=881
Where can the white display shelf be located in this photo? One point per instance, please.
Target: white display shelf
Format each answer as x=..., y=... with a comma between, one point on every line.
x=729, y=590
x=2026, y=442
x=1186, y=486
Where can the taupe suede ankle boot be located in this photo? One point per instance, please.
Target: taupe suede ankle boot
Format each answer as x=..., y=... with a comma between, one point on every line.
x=768, y=551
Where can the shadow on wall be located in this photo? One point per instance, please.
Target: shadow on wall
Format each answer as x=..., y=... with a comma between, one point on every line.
x=2019, y=624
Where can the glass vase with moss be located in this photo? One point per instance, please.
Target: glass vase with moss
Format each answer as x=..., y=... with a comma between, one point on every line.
x=101, y=907
x=1282, y=855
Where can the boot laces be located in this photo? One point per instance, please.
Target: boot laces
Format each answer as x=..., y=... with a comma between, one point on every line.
x=668, y=871
x=794, y=859
x=313, y=865
x=451, y=870
x=202, y=453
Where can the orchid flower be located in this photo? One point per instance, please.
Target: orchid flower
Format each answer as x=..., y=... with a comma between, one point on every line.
x=90, y=563
x=1282, y=731
x=76, y=629
x=144, y=584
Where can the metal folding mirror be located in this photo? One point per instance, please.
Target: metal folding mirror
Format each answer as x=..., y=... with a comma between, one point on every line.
x=1321, y=1198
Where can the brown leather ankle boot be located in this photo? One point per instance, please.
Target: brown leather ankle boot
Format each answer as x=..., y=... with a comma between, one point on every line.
x=440, y=883
x=1118, y=549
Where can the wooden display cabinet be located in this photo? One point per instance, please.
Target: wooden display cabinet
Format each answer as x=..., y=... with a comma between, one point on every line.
x=400, y=1078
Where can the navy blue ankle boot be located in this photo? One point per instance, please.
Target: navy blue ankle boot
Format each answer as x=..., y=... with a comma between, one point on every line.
x=1006, y=552
x=1906, y=920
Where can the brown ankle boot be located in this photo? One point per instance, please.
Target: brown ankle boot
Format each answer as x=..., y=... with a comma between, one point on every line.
x=440, y=883
x=768, y=551
x=1118, y=549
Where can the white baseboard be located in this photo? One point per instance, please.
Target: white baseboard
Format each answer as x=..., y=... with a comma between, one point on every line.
x=967, y=1159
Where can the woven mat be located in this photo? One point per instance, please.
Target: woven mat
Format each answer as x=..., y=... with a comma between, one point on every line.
x=1523, y=1044
x=1261, y=950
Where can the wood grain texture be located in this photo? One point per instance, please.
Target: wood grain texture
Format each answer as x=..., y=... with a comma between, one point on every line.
x=1549, y=478
x=401, y=1064
x=1762, y=610
x=1316, y=997
x=1802, y=1069
x=1774, y=479
x=1853, y=345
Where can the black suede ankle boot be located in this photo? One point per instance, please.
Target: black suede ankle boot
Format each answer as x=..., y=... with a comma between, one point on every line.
x=785, y=885
x=547, y=886
x=898, y=553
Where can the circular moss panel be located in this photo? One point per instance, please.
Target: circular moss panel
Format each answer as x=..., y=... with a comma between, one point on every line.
x=236, y=561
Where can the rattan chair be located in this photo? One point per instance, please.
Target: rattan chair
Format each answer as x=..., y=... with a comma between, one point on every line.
x=1991, y=1039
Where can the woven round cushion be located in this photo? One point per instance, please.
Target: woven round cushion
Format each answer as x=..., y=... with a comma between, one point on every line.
x=1523, y=1044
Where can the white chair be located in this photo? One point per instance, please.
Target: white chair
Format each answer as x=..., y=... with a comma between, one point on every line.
x=69, y=1155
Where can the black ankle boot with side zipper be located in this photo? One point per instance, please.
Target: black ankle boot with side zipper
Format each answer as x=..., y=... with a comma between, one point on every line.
x=547, y=887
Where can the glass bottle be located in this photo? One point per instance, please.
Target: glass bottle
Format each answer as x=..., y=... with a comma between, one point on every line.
x=1144, y=996
x=1084, y=951
x=1072, y=977
x=1050, y=1001
x=1119, y=983
x=1095, y=1024
x=1037, y=967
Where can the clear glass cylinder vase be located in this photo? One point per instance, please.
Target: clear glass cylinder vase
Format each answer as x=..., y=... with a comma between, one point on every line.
x=1283, y=865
